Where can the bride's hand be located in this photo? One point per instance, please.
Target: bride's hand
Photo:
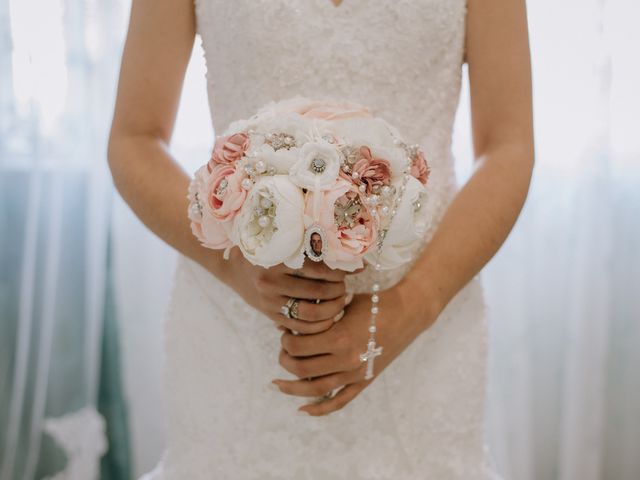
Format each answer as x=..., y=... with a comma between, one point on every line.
x=331, y=359
x=268, y=289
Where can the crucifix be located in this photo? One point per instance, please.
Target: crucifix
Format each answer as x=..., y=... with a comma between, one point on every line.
x=368, y=356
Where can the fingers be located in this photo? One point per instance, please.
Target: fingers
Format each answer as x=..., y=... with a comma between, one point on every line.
x=318, y=271
x=342, y=398
x=312, y=311
x=302, y=326
x=318, y=365
x=306, y=289
x=337, y=342
x=319, y=386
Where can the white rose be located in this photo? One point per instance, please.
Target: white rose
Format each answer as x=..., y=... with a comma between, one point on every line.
x=405, y=232
x=317, y=166
x=269, y=228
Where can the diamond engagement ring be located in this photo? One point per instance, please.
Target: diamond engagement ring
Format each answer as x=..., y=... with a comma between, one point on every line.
x=290, y=309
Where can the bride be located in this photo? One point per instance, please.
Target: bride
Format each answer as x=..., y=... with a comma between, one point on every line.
x=422, y=414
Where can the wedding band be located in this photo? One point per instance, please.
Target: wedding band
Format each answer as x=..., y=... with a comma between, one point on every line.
x=293, y=307
x=290, y=309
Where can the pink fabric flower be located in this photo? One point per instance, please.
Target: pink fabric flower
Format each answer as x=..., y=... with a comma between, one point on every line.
x=370, y=171
x=419, y=168
x=225, y=194
x=229, y=150
x=347, y=244
x=208, y=230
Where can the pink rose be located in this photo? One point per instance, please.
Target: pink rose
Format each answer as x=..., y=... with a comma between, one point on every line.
x=349, y=236
x=208, y=230
x=229, y=150
x=370, y=171
x=225, y=194
x=419, y=168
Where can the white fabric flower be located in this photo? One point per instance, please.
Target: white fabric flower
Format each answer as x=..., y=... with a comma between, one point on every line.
x=405, y=232
x=317, y=166
x=282, y=159
x=269, y=229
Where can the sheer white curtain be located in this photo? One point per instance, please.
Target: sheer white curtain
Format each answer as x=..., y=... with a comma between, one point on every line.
x=58, y=62
x=564, y=315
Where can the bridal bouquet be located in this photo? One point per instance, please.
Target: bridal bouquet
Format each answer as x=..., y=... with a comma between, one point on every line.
x=320, y=179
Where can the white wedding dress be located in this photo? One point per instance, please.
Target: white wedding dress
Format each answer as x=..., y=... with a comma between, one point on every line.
x=423, y=416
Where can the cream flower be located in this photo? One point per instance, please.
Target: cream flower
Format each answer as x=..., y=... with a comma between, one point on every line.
x=317, y=166
x=270, y=227
x=405, y=232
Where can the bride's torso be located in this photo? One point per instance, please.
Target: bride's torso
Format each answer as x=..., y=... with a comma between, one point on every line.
x=402, y=59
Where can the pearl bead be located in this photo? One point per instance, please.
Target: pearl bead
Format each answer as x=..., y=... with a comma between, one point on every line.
x=264, y=221
x=378, y=266
x=260, y=166
x=393, y=212
x=386, y=190
x=374, y=310
x=384, y=210
x=355, y=175
x=375, y=298
x=376, y=287
x=372, y=329
x=246, y=184
x=362, y=188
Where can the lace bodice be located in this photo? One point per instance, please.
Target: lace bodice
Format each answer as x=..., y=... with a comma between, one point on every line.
x=402, y=59
x=314, y=48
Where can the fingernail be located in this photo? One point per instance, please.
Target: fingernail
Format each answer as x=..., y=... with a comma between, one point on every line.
x=339, y=316
x=302, y=413
x=348, y=299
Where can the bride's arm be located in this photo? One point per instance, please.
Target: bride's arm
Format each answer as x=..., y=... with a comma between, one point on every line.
x=483, y=212
x=156, y=54
x=155, y=57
